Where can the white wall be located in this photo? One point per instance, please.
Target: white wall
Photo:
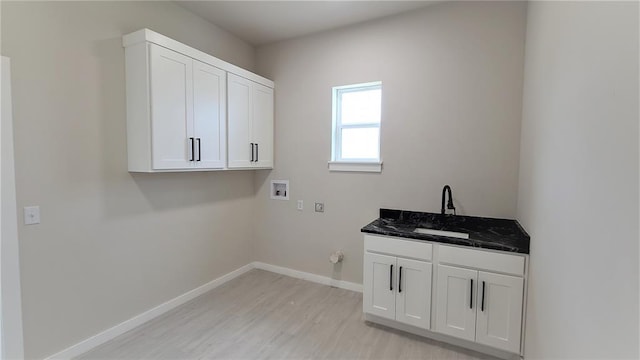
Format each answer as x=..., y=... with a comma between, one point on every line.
x=12, y=346
x=451, y=108
x=111, y=244
x=578, y=195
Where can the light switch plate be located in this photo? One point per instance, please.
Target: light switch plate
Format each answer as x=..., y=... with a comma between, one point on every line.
x=300, y=205
x=31, y=215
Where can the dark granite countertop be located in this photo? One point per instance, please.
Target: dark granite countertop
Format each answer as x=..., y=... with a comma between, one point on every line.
x=487, y=233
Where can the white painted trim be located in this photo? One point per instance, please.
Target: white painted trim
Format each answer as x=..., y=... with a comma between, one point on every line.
x=338, y=126
x=355, y=166
x=140, y=319
x=159, y=39
x=11, y=304
x=324, y=280
x=117, y=330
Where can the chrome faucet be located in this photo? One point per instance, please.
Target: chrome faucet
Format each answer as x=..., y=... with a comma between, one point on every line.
x=450, y=206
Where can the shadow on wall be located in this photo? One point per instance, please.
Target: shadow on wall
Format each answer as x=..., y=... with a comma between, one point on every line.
x=127, y=193
x=262, y=178
x=165, y=191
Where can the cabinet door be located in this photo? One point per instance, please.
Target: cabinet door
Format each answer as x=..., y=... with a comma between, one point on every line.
x=413, y=301
x=262, y=125
x=379, y=293
x=171, y=109
x=455, y=305
x=499, y=320
x=241, y=151
x=209, y=115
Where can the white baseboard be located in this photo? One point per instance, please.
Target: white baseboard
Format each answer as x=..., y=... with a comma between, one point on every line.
x=111, y=333
x=308, y=276
x=103, y=337
x=501, y=354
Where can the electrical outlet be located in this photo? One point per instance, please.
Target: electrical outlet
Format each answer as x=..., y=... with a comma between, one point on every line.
x=319, y=207
x=300, y=205
x=31, y=215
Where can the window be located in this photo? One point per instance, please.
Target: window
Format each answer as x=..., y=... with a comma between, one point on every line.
x=356, y=127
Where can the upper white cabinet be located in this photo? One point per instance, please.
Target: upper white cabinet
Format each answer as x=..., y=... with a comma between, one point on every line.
x=250, y=123
x=209, y=125
x=178, y=121
x=413, y=302
x=171, y=80
x=177, y=117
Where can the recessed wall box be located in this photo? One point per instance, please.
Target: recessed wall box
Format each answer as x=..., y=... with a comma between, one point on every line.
x=280, y=189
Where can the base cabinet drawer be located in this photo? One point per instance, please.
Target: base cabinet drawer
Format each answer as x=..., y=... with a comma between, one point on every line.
x=418, y=250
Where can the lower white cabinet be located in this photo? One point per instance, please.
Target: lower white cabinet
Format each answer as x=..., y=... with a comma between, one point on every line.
x=379, y=297
x=499, y=320
x=480, y=306
x=477, y=295
x=455, y=313
x=413, y=300
x=398, y=288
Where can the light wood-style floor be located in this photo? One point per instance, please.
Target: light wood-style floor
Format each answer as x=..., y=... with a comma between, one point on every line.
x=265, y=315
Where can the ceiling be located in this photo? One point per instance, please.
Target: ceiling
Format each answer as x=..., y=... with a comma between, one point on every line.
x=263, y=22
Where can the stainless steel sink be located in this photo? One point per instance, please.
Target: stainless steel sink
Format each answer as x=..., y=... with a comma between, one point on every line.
x=452, y=234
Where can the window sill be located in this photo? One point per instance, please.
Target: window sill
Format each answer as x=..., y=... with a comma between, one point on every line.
x=356, y=166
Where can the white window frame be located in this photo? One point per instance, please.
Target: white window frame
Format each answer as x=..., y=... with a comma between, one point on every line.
x=337, y=163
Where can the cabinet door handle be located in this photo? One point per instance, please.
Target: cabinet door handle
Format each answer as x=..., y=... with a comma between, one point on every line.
x=257, y=152
x=400, y=279
x=192, y=149
x=471, y=295
x=251, y=152
x=391, y=278
x=199, y=150
x=482, y=302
